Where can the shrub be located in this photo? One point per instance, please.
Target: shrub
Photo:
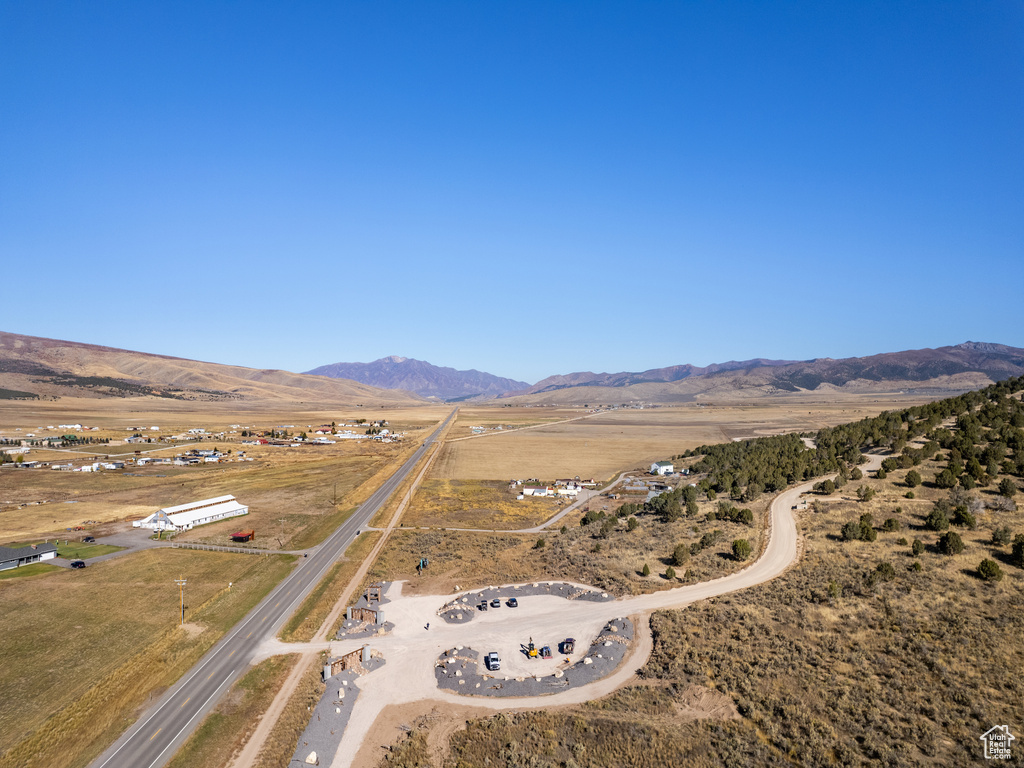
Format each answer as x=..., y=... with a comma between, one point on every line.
x=856, y=474
x=891, y=524
x=670, y=573
x=881, y=474
x=913, y=478
x=1017, y=556
x=945, y=479
x=834, y=590
x=632, y=524
x=741, y=549
x=1001, y=536
x=989, y=570
x=902, y=541
x=964, y=519
x=539, y=544
x=916, y=566
x=680, y=555
x=950, y=543
x=885, y=571
x=937, y=520
x=647, y=570
x=908, y=495
x=1007, y=488
x=917, y=547
x=851, y=531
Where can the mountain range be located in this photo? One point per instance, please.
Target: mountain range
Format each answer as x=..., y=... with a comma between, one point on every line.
x=421, y=377
x=33, y=367
x=958, y=368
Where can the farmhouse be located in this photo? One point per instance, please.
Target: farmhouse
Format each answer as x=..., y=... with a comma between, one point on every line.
x=15, y=557
x=186, y=516
x=662, y=468
x=538, y=491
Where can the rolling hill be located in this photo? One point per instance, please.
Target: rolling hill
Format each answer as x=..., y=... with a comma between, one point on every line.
x=422, y=378
x=33, y=367
x=944, y=370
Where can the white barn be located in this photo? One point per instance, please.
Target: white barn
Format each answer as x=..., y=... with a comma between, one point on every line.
x=186, y=516
x=662, y=468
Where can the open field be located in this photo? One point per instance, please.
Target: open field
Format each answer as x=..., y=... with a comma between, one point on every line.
x=477, y=504
x=231, y=723
x=92, y=645
x=602, y=445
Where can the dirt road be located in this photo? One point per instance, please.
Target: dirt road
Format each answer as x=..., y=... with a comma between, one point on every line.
x=411, y=650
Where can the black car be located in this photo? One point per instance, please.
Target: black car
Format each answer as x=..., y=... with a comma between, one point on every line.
x=513, y=603
x=78, y=563
x=89, y=539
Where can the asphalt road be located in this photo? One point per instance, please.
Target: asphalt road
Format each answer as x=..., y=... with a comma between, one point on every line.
x=152, y=741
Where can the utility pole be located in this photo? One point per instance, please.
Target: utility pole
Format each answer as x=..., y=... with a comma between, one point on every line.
x=181, y=592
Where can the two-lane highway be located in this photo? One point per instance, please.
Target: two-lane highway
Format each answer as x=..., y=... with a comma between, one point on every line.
x=155, y=737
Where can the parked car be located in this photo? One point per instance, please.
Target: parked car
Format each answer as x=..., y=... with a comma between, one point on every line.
x=496, y=603
x=513, y=603
x=492, y=661
x=483, y=606
x=78, y=563
x=89, y=539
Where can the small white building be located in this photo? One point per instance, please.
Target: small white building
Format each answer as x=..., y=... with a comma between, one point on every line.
x=662, y=468
x=186, y=516
x=529, y=490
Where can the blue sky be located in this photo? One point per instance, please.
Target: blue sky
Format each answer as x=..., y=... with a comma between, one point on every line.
x=523, y=188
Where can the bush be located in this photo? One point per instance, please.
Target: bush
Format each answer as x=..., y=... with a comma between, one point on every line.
x=917, y=547
x=1017, y=556
x=964, y=519
x=891, y=524
x=913, y=478
x=681, y=555
x=1007, y=488
x=856, y=474
x=539, y=544
x=647, y=570
x=881, y=474
x=950, y=543
x=741, y=549
x=945, y=479
x=908, y=495
x=670, y=573
x=632, y=524
x=1001, y=536
x=937, y=520
x=916, y=566
x=885, y=571
x=851, y=531
x=989, y=570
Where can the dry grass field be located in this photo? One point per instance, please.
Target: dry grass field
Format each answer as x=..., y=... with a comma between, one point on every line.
x=444, y=503
x=83, y=649
x=604, y=444
x=292, y=493
x=232, y=721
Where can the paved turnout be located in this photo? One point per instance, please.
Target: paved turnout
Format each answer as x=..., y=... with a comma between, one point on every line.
x=157, y=735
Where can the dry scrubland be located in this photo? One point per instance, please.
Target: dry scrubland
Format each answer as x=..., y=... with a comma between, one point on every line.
x=837, y=662
x=612, y=560
x=83, y=650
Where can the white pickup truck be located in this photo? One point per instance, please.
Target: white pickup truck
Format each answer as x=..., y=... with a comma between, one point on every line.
x=492, y=662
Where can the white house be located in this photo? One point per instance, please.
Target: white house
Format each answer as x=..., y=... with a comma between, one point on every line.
x=186, y=516
x=529, y=490
x=14, y=557
x=662, y=468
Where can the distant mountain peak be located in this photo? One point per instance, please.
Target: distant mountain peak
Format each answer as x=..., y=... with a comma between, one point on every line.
x=421, y=377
